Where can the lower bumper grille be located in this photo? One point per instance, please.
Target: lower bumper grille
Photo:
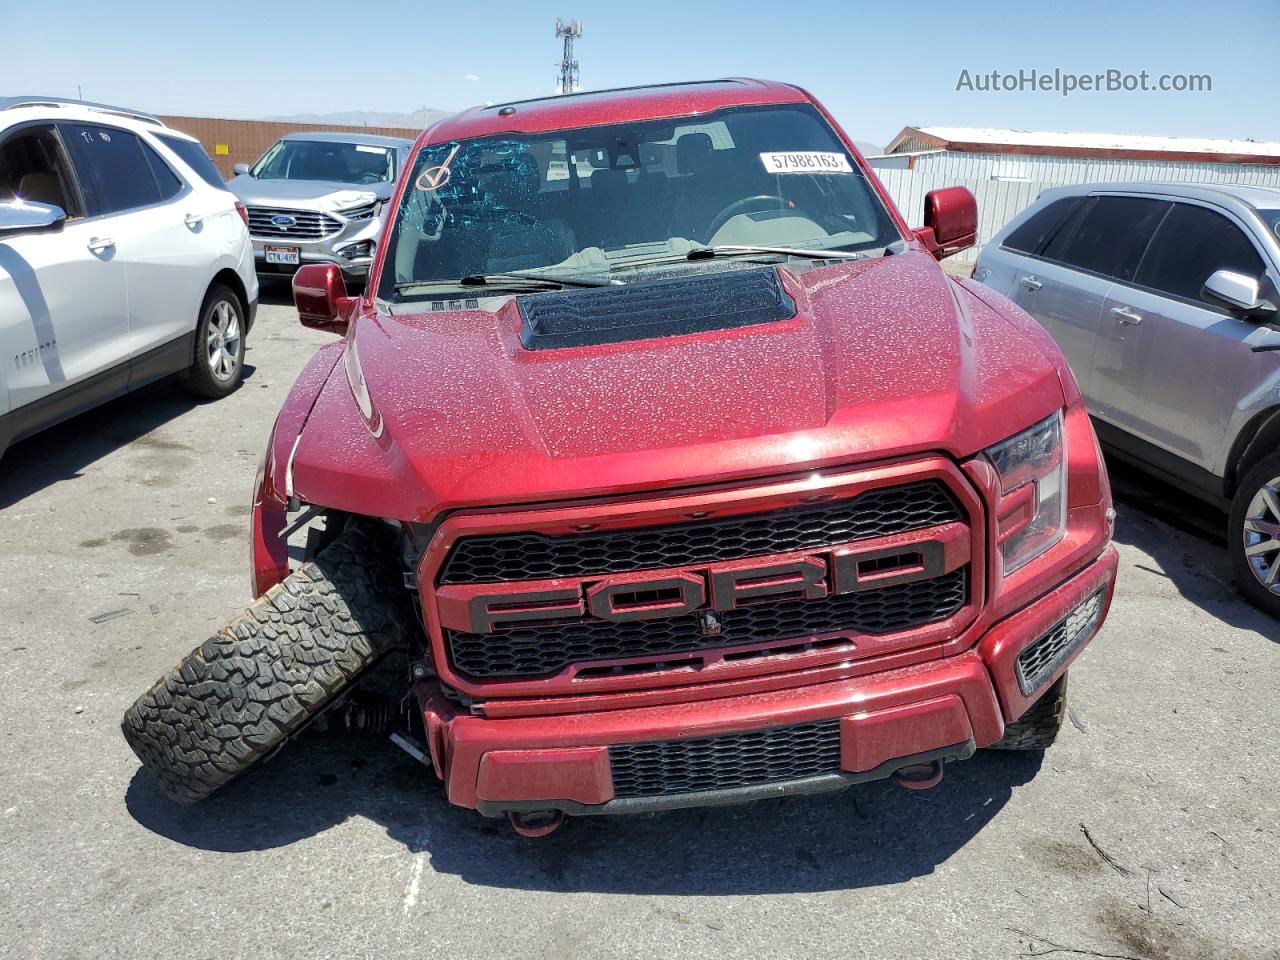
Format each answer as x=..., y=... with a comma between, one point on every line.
x=1042, y=657
x=542, y=650
x=726, y=762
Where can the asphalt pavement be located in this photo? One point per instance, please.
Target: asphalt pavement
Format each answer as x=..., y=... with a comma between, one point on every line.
x=1148, y=831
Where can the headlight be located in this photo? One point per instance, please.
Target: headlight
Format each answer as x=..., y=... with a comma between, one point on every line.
x=1033, y=491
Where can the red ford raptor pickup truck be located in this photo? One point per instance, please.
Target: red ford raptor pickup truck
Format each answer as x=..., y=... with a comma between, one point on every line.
x=660, y=464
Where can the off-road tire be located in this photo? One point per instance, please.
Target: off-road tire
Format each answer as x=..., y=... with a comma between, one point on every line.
x=1264, y=472
x=1038, y=727
x=199, y=378
x=240, y=695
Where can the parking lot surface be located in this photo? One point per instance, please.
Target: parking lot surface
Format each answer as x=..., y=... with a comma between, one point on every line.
x=1148, y=831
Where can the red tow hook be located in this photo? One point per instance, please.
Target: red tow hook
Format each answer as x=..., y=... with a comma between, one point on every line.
x=538, y=823
x=920, y=776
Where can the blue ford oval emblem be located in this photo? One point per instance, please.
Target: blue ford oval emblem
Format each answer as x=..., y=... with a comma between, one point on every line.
x=281, y=220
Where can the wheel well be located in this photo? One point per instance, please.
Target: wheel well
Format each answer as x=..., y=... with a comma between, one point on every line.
x=1260, y=436
x=230, y=278
x=227, y=278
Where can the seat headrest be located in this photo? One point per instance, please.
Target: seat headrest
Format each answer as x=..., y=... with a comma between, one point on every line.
x=41, y=187
x=608, y=179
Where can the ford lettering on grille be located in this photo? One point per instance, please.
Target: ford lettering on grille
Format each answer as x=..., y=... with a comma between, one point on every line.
x=630, y=597
x=890, y=565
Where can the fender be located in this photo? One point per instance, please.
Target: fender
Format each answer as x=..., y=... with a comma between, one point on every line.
x=269, y=552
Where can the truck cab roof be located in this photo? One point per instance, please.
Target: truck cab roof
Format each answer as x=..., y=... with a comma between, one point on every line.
x=611, y=106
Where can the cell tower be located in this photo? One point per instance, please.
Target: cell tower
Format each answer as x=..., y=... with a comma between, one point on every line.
x=568, y=79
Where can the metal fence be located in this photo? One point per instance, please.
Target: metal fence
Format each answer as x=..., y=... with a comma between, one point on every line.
x=999, y=201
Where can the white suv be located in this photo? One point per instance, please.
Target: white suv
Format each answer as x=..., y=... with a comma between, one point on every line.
x=123, y=259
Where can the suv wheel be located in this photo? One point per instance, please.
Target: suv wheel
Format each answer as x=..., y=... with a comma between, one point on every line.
x=219, y=360
x=1254, y=535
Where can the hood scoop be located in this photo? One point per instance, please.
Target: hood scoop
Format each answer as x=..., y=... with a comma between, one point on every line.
x=651, y=310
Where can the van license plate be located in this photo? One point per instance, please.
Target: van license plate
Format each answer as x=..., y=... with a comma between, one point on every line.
x=287, y=255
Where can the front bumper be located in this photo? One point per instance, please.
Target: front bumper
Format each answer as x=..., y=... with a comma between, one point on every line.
x=335, y=248
x=350, y=266
x=942, y=709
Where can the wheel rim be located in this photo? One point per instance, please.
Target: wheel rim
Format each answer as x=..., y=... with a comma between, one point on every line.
x=1262, y=535
x=224, y=342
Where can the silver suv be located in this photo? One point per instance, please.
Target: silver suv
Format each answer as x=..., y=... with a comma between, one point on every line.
x=1164, y=299
x=318, y=198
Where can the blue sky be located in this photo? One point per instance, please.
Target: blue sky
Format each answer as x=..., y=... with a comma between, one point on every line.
x=878, y=66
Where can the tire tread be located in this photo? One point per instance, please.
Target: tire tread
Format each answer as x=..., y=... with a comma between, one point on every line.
x=245, y=690
x=1038, y=727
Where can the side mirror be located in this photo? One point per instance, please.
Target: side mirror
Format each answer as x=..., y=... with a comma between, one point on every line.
x=320, y=294
x=30, y=216
x=1238, y=292
x=950, y=221
x=239, y=168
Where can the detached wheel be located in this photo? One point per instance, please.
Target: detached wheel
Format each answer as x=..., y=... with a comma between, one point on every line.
x=219, y=361
x=245, y=691
x=1038, y=727
x=1253, y=535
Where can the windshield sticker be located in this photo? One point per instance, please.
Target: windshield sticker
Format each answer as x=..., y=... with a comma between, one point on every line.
x=433, y=178
x=807, y=161
x=365, y=148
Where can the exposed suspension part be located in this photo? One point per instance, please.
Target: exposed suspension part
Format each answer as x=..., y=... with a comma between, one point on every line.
x=366, y=715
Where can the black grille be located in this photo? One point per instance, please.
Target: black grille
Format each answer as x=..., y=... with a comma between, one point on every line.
x=531, y=556
x=775, y=755
x=1039, y=660
x=536, y=651
x=644, y=311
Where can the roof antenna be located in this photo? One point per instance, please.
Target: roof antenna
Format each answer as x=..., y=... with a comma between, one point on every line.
x=568, y=80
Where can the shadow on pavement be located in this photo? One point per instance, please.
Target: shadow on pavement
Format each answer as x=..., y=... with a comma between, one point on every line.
x=868, y=836
x=275, y=291
x=1187, y=539
x=63, y=451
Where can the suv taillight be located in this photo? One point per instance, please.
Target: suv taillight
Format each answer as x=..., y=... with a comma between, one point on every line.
x=243, y=211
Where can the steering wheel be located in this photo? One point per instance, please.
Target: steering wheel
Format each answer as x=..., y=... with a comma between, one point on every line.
x=742, y=206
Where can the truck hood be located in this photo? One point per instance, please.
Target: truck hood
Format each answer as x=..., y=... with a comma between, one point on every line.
x=883, y=358
x=322, y=195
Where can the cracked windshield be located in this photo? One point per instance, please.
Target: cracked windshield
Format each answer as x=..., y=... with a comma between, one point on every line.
x=604, y=200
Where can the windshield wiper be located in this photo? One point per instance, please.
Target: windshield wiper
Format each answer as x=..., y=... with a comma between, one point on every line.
x=721, y=250
x=560, y=280
x=550, y=281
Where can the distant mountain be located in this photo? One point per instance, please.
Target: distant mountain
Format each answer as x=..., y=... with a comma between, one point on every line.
x=417, y=120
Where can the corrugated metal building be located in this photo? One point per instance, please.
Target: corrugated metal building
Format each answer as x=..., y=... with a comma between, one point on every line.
x=230, y=142
x=1007, y=169
x=1061, y=158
